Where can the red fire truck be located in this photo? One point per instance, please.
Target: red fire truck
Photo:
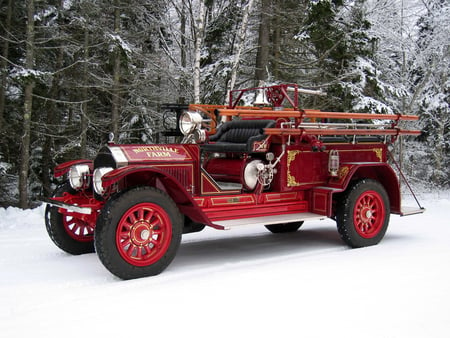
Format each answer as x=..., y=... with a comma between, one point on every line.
x=272, y=164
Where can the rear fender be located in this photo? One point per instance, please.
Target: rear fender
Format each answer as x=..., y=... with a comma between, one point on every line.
x=381, y=172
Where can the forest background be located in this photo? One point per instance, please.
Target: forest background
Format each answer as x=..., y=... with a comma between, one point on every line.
x=72, y=71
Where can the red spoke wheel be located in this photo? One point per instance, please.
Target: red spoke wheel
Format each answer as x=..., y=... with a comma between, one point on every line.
x=78, y=229
x=369, y=214
x=71, y=234
x=138, y=233
x=144, y=234
x=363, y=213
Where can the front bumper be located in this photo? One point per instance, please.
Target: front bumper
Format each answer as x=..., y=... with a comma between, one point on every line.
x=69, y=207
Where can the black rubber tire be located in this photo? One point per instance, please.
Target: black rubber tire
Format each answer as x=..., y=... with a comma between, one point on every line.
x=350, y=207
x=58, y=233
x=284, y=227
x=108, y=226
x=191, y=227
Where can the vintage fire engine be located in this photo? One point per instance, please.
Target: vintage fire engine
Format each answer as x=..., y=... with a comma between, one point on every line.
x=271, y=164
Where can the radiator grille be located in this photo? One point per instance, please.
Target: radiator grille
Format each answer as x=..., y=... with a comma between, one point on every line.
x=182, y=175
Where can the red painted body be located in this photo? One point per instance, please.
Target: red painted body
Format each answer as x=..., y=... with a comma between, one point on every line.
x=302, y=182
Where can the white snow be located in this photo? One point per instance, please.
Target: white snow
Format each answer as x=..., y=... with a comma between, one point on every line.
x=67, y=4
x=118, y=39
x=245, y=282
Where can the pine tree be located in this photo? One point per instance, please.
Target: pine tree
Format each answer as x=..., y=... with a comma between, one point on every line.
x=337, y=31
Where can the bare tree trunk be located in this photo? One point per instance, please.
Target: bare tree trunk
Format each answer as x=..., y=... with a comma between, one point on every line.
x=28, y=103
x=115, y=109
x=276, y=44
x=199, y=31
x=84, y=91
x=240, y=43
x=47, y=158
x=4, y=63
x=183, y=35
x=183, y=53
x=262, y=55
x=438, y=153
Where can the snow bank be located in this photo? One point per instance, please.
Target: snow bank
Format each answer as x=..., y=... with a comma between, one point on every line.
x=11, y=217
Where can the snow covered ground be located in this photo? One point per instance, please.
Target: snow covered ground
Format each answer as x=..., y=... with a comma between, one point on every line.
x=245, y=282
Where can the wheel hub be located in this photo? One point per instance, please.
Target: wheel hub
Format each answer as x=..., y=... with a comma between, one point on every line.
x=141, y=233
x=145, y=234
x=366, y=214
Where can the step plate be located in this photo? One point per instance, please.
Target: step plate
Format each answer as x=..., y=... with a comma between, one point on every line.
x=265, y=220
x=406, y=211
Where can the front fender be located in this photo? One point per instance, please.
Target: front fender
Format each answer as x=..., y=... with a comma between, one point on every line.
x=63, y=168
x=182, y=198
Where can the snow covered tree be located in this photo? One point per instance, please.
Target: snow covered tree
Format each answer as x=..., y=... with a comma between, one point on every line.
x=432, y=83
x=239, y=43
x=12, y=37
x=224, y=46
x=263, y=48
x=342, y=50
x=4, y=58
x=362, y=82
x=394, y=42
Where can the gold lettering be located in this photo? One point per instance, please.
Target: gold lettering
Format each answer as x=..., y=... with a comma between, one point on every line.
x=156, y=149
x=159, y=154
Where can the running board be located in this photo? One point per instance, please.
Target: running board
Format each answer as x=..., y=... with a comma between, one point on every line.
x=407, y=211
x=266, y=220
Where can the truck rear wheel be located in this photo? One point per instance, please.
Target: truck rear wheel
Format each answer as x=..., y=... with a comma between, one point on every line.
x=71, y=234
x=363, y=214
x=138, y=233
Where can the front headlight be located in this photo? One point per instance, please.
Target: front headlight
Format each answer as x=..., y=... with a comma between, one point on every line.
x=97, y=179
x=189, y=121
x=79, y=176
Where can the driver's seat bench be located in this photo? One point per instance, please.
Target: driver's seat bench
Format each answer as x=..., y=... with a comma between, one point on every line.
x=238, y=136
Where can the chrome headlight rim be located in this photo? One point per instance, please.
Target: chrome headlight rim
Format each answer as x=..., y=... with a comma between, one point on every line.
x=79, y=176
x=97, y=179
x=189, y=121
x=199, y=135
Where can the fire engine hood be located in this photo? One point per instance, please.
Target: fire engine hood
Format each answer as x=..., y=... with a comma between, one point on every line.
x=116, y=156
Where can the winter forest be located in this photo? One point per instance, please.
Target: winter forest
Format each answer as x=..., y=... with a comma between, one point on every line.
x=72, y=71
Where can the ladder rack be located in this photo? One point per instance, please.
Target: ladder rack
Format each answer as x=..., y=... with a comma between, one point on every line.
x=320, y=131
x=312, y=114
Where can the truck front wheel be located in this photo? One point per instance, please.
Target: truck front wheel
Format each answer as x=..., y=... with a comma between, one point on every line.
x=138, y=233
x=363, y=213
x=71, y=234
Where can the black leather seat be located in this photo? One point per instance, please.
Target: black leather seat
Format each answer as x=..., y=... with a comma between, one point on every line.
x=238, y=136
